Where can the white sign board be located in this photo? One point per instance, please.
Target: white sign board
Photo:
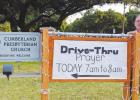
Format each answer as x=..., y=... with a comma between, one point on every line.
x=89, y=60
x=19, y=46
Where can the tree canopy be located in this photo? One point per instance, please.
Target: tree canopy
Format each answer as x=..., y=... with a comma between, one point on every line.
x=25, y=15
x=104, y=22
x=130, y=16
x=5, y=27
x=98, y=22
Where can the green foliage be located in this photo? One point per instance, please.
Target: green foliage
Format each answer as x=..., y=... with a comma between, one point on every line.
x=98, y=22
x=104, y=22
x=5, y=27
x=63, y=26
x=130, y=19
x=31, y=14
x=75, y=27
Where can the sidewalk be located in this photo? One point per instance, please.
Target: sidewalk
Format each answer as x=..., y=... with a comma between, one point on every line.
x=22, y=75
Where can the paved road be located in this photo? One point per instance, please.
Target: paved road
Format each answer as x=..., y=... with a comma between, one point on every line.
x=22, y=75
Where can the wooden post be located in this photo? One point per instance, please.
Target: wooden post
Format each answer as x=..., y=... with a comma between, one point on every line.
x=45, y=64
x=136, y=65
x=46, y=57
x=126, y=93
x=127, y=87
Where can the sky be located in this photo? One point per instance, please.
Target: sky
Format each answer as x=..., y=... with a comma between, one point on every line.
x=117, y=7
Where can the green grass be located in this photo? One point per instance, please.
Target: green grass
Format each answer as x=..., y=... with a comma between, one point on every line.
x=20, y=89
x=23, y=66
x=29, y=88
x=85, y=91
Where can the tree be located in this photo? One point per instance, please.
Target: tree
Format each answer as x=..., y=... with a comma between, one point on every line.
x=98, y=22
x=28, y=15
x=5, y=27
x=130, y=16
x=63, y=26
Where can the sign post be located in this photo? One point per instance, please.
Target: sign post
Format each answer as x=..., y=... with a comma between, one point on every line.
x=81, y=58
x=136, y=65
x=45, y=65
x=127, y=85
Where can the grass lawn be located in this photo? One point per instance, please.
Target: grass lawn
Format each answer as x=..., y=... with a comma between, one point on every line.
x=85, y=91
x=23, y=66
x=29, y=88
x=20, y=89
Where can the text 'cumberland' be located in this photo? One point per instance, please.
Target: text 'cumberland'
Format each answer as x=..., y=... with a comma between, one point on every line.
x=97, y=50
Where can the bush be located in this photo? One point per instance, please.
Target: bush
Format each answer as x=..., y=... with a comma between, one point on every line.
x=5, y=27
